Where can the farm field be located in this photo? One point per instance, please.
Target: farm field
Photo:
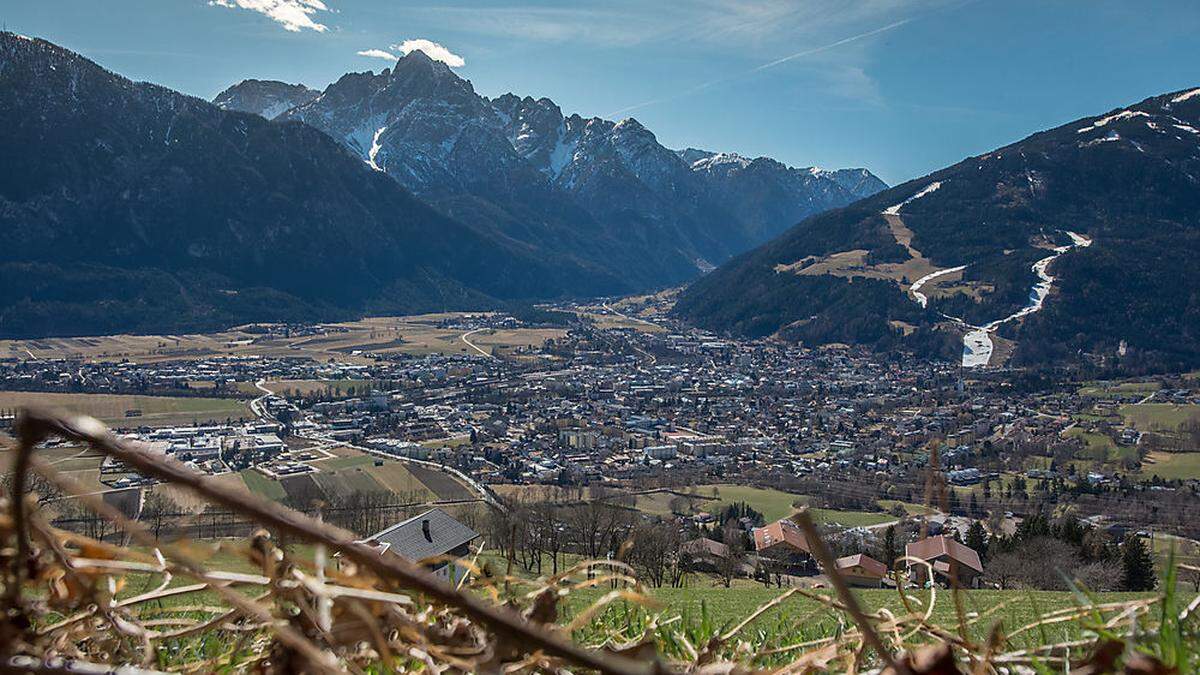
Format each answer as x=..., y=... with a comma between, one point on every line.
x=1100, y=448
x=350, y=342
x=358, y=474
x=336, y=387
x=1159, y=416
x=156, y=410
x=1118, y=389
x=354, y=472
x=503, y=339
x=773, y=504
x=340, y=475
x=1172, y=465
x=262, y=486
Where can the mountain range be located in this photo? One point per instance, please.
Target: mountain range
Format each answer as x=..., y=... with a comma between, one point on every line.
x=128, y=207
x=602, y=190
x=1079, y=241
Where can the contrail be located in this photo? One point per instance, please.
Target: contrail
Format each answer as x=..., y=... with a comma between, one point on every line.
x=831, y=45
x=765, y=66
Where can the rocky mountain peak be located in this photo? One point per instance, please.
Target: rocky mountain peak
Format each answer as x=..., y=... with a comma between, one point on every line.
x=268, y=98
x=426, y=127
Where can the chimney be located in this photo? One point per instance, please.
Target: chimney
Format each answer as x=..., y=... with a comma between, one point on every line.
x=425, y=529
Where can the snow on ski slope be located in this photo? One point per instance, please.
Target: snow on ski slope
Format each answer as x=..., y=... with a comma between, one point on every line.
x=915, y=289
x=895, y=210
x=977, y=342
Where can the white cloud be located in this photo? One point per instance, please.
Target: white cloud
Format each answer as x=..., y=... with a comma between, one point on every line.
x=378, y=54
x=432, y=49
x=295, y=15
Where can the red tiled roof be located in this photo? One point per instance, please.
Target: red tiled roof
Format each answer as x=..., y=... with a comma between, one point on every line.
x=864, y=561
x=936, y=547
x=780, y=531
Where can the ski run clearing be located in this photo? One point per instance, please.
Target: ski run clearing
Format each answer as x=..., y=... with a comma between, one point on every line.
x=977, y=342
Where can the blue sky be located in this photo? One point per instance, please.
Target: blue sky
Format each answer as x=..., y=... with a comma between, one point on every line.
x=902, y=87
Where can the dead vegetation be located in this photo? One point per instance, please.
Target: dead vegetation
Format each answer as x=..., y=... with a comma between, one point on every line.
x=67, y=601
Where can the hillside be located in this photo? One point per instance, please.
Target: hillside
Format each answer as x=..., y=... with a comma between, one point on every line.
x=127, y=207
x=1077, y=240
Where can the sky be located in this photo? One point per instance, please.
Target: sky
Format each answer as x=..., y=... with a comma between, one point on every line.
x=902, y=87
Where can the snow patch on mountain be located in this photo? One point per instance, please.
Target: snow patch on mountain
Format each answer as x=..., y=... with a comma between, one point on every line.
x=1104, y=121
x=725, y=159
x=276, y=109
x=362, y=138
x=894, y=210
x=562, y=154
x=1186, y=95
x=375, y=147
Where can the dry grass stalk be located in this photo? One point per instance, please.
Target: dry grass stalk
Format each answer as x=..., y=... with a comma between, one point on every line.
x=62, y=599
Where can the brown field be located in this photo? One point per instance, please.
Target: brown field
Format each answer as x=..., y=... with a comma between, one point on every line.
x=352, y=471
x=853, y=263
x=442, y=484
x=354, y=480
x=156, y=410
x=512, y=338
x=352, y=342
x=398, y=479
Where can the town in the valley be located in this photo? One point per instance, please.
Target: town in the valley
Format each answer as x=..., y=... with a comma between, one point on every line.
x=585, y=425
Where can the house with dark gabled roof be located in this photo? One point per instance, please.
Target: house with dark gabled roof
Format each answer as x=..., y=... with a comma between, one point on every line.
x=862, y=570
x=434, y=539
x=952, y=562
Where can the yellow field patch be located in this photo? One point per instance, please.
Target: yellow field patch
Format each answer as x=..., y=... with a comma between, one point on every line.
x=348, y=342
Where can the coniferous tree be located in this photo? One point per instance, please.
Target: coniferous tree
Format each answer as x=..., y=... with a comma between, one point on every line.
x=977, y=539
x=1137, y=566
x=890, y=550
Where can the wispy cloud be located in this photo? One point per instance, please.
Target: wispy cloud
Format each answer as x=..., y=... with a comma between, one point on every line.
x=378, y=54
x=433, y=50
x=293, y=15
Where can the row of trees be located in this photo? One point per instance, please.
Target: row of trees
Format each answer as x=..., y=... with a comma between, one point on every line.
x=1057, y=555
